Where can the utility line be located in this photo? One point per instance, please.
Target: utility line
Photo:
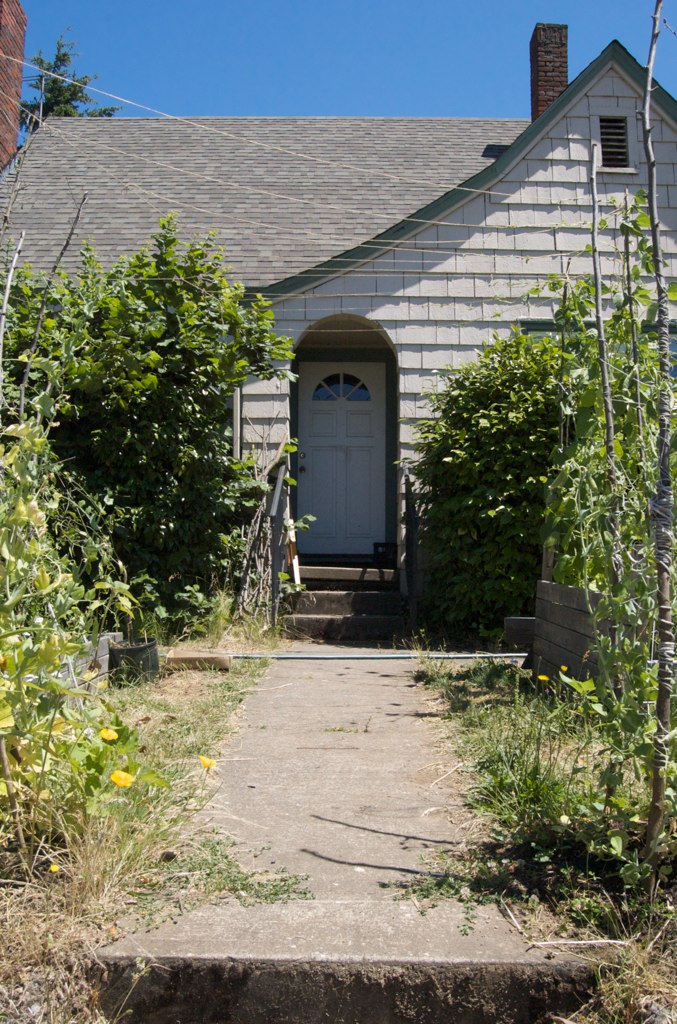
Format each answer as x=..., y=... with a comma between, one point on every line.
x=376, y=244
x=253, y=142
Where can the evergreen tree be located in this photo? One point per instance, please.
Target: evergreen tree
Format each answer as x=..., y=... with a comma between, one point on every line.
x=60, y=98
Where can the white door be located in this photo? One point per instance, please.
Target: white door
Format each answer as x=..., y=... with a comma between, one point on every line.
x=341, y=463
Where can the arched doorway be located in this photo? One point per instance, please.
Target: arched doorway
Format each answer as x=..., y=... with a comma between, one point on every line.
x=345, y=418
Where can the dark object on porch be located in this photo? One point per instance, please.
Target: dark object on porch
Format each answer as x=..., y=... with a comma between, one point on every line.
x=385, y=555
x=518, y=631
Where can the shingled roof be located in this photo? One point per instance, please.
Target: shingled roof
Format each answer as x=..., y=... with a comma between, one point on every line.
x=282, y=194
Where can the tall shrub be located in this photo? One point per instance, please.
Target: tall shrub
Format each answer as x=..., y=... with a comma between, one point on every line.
x=484, y=458
x=156, y=346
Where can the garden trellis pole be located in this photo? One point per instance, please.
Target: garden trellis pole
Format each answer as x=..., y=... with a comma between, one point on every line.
x=661, y=507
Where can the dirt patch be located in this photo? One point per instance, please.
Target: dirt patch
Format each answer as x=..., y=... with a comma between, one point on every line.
x=183, y=685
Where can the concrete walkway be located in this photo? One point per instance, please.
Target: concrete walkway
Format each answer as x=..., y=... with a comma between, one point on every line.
x=329, y=776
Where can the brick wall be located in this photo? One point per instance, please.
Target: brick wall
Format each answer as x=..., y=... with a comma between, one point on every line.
x=549, y=66
x=12, y=36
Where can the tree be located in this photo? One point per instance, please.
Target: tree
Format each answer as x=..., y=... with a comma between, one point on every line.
x=64, y=96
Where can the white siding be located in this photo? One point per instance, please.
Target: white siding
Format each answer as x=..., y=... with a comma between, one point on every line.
x=443, y=293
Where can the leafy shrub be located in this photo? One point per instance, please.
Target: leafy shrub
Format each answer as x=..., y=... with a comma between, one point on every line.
x=483, y=462
x=151, y=351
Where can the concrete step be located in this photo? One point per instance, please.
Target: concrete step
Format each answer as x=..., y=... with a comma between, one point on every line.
x=325, y=577
x=347, y=602
x=344, y=627
x=340, y=963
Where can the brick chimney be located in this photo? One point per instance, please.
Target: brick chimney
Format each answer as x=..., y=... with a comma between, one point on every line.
x=12, y=36
x=549, y=66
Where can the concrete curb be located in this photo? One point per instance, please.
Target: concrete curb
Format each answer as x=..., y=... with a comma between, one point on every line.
x=230, y=990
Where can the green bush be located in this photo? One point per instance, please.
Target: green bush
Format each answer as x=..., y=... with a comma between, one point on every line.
x=483, y=462
x=151, y=351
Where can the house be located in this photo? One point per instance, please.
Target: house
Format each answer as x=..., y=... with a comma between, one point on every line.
x=389, y=247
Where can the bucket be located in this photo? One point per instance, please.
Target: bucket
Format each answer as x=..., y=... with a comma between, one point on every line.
x=136, y=659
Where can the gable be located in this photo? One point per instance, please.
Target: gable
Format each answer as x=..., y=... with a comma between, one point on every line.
x=616, y=81
x=477, y=261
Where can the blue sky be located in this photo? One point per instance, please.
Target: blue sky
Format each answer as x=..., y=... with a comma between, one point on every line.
x=388, y=57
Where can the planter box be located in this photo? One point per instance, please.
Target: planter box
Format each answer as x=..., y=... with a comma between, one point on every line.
x=563, y=631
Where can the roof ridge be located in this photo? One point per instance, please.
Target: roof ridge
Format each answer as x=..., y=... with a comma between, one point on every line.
x=188, y=118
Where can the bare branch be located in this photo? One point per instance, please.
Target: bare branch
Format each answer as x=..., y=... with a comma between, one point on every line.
x=13, y=805
x=3, y=313
x=635, y=342
x=43, y=305
x=16, y=187
x=609, y=425
x=603, y=355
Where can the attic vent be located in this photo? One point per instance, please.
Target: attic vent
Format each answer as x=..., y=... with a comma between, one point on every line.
x=613, y=133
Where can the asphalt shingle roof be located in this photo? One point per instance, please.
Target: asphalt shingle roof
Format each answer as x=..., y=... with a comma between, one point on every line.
x=282, y=194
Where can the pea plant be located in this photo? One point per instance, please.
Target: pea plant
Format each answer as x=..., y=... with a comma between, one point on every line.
x=62, y=748
x=611, y=518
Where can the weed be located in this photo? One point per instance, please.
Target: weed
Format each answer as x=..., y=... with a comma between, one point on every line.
x=203, y=871
x=110, y=866
x=533, y=756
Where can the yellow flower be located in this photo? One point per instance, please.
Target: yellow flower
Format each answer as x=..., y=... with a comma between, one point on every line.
x=109, y=735
x=564, y=668
x=54, y=868
x=121, y=778
x=207, y=762
x=544, y=679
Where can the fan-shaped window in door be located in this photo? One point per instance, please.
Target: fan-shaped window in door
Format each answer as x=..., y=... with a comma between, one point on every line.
x=341, y=385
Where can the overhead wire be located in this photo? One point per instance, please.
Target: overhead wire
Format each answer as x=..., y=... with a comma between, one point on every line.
x=435, y=246
x=200, y=124
x=302, y=154
x=301, y=200
x=425, y=248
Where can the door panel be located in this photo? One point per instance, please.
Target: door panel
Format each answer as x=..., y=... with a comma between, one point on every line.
x=322, y=468
x=323, y=424
x=341, y=475
x=359, y=424
x=359, y=499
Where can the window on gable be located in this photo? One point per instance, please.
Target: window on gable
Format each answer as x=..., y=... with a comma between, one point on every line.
x=613, y=133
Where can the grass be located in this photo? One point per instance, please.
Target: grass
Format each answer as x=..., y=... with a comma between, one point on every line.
x=139, y=862
x=203, y=870
x=530, y=757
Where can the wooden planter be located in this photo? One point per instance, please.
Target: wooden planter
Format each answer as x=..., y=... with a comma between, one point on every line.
x=563, y=631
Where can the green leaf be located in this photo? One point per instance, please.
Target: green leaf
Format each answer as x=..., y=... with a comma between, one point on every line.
x=617, y=843
x=6, y=716
x=153, y=778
